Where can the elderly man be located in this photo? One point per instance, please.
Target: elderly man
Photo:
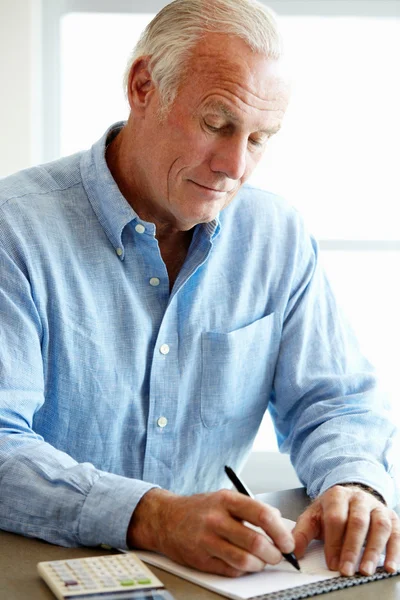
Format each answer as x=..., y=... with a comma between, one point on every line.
x=153, y=308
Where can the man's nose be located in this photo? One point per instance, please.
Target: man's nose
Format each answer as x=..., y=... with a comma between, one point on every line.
x=230, y=158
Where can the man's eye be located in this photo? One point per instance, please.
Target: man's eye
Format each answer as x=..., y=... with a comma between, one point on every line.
x=212, y=127
x=257, y=143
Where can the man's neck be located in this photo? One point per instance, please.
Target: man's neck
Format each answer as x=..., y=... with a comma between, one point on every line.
x=174, y=248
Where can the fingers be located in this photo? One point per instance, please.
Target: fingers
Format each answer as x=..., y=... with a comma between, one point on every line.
x=379, y=534
x=268, y=519
x=251, y=540
x=308, y=528
x=392, y=559
x=240, y=559
x=253, y=533
x=219, y=567
x=368, y=523
x=357, y=528
x=207, y=531
x=343, y=554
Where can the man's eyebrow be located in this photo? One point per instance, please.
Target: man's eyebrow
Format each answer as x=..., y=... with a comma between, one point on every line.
x=221, y=108
x=271, y=130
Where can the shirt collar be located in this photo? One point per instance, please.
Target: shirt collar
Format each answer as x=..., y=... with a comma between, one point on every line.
x=212, y=228
x=111, y=208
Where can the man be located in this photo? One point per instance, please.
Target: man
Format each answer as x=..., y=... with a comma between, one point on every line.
x=152, y=309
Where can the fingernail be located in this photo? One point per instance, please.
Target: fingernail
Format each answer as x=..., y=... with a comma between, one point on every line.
x=334, y=564
x=287, y=546
x=391, y=566
x=368, y=567
x=348, y=569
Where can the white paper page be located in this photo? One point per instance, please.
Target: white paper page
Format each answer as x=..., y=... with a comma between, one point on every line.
x=271, y=579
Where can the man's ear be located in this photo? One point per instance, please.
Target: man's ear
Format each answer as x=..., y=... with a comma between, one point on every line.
x=140, y=85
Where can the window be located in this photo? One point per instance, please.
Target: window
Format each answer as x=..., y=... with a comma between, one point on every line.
x=96, y=70
x=336, y=158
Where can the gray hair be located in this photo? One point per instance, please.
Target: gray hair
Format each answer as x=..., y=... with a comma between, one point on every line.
x=175, y=30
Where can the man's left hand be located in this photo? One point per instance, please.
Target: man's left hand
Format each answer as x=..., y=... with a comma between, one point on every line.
x=355, y=526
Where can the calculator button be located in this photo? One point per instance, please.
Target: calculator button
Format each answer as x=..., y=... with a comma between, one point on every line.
x=108, y=582
x=144, y=581
x=127, y=582
x=72, y=563
x=64, y=574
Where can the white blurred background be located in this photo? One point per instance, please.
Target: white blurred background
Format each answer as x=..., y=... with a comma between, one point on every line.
x=337, y=158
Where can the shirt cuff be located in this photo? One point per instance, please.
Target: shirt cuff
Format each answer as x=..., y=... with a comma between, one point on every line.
x=108, y=508
x=369, y=474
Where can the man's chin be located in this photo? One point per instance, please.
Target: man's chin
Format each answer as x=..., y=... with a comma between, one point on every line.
x=196, y=212
x=191, y=221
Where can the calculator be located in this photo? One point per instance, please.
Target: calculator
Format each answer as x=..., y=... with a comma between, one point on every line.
x=112, y=577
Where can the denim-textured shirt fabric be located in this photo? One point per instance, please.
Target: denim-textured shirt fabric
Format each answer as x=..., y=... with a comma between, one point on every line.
x=110, y=384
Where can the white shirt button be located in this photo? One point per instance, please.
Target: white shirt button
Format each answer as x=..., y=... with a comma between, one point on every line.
x=120, y=251
x=140, y=229
x=162, y=422
x=164, y=349
x=154, y=281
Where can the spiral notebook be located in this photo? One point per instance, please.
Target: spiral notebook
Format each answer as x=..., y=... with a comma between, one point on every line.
x=280, y=582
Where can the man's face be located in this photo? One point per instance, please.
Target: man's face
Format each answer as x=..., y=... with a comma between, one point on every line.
x=193, y=161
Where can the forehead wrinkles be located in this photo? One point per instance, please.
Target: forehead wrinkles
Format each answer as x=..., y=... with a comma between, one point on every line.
x=238, y=83
x=243, y=101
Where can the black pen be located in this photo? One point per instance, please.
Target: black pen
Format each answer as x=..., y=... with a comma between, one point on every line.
x=240, y=486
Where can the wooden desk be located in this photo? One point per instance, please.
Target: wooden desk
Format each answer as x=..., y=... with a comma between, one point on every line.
x=19, y=579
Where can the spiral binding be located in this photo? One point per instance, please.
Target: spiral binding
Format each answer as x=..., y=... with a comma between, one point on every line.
x=324, y=587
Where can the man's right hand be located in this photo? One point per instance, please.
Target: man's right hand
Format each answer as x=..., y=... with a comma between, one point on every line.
x=206, y=531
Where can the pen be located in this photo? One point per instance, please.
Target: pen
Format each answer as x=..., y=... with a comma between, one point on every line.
x=240, y=486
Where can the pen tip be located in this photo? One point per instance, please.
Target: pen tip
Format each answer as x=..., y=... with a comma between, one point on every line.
x=292, y=560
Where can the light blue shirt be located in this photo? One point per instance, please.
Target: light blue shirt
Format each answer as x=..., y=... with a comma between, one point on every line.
x=110, y=384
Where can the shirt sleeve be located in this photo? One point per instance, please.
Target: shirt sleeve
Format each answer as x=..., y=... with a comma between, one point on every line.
x=327, y=408
x=44, y=492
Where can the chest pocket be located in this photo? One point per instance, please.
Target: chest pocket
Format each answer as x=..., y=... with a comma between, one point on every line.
x=237, y=371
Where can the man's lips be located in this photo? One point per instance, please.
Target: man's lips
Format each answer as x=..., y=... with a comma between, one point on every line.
x=210, y=188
